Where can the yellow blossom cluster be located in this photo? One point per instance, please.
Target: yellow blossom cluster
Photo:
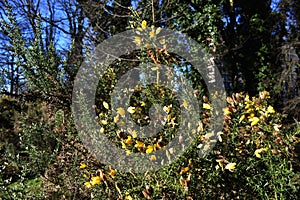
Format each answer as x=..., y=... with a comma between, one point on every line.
x=152, y=33
x=100, y=177
x=206, y=106
x=129, y=143
x=224, y=164
x=254, y=124
x=255, y=110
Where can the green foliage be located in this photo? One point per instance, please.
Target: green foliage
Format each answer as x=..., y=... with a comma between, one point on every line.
x=252, y=159
x=9, y=109
x=261, y=149
x=49, y=73
x=42, y=157
x=27, y=155
x=28, y=189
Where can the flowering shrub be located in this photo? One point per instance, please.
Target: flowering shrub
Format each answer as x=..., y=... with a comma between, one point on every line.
x=255, y=140
x=252, y=158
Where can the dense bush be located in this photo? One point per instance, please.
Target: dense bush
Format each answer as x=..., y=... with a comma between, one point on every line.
x=252, y=160
x=30, y=144
x=255, y=158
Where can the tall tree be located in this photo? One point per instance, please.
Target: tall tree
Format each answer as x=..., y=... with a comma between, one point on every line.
x=45, y=39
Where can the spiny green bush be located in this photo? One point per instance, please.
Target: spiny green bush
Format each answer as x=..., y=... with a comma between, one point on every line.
x=252, y=160
x=255, y=140
x=34, y=146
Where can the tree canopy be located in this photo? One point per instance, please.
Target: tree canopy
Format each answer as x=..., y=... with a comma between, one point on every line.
x=245, y=36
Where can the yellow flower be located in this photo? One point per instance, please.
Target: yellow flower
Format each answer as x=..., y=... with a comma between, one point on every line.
x=230, y=166
x=254, y=121
x=219, y=136
x=251, y=116
x=123, y=145
x=242, y=118
x=247, y=106
x=88, y=184
x=152, y=34
x=82, y=166
x=112, y=173
x=152, y=157
x=259, y=151
x=121, y=111
x=230, y=100
x=105, y=105
x=276, y=127
x=184, y=170
x=128, y=197
x=116, y=119
x=144, y=24
x=131, y=109
x=185, y=104
x=104, y=122
x=102, y=130
x=247, y=98
x=158, y=30
x=134, y=134
x=264, y=94
x=128, y=140
x=258, y=107
x=270, y=109
x=200, y=126
x=226, y=111
x=169, y=117
x=95, y=180
x=250, y=110
x=206, y=106
x=168, y=108
x=143, y=103
x=139, y=29
x=139, y=144
x=220, y=161
x=137, y=40
x=150, y=148
x=208, y=135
